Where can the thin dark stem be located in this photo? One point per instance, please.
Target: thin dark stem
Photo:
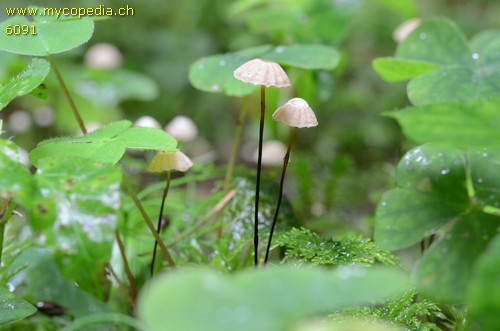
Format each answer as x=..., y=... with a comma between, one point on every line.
x=259, y=166
x=280, y=196
x=158, y=226
x=67, y=95
x=150, y=225
x=126, y=266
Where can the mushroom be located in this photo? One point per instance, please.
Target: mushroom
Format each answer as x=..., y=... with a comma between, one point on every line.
x=182, y=128
x=295, y=113
x=264, y=73
x=165, y=161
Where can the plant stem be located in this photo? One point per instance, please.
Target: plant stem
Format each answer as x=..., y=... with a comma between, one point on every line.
x=259, y=166
x=150, y=225
x=232, y=158
x=158, y=226
x=6, y=210
x=121, y=286
x=126, y=266
x=280, y=196
x=67, y=94
x=236, y=144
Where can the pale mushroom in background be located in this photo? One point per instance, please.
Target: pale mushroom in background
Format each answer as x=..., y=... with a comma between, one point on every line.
x=182, y=128
x=147, y=122
x=272, y=153
x=405, y=28
x=103, y=56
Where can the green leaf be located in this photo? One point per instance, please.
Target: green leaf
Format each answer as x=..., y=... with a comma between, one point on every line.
x=436, y=40
x=471, y=124
x=106, y=145
x=466, y=71
x=27, y=81
x=484, y=176
x=405, y=217
x=15, y=179
x=215, y=73
x=407, y=9
x=448, y=265
x=305, y=56
x=109, y=87
x=106, y=133
x=13, y=309
x=40, y=92
x=486, y=45
x=142, y=138
x=272, y=298
x=454, y=84
x=394, y=69
x=44, y=282
x=81, y=233
x=347, y=324
x=53, y=35
x=484, y=290
x=431, y=192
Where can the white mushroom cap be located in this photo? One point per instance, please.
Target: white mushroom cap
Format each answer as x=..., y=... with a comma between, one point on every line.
x=262, y=72
x=147, y=122
x=405, y=28
x=297, y=113
x=103, y=56
x=272, y=153
x=182, y=128
x=164, y=161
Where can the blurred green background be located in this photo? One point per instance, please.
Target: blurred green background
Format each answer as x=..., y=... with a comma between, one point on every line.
x=338, y=170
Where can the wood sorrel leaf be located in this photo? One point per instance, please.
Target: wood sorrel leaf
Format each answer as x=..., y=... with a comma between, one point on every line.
x=484, y=294
x=431, y=192
x=15, y=179
x=28, y=80
x=215, y=73
x=472, y=124
x=87, y=199
x=106, y=145
x=269, y=299
x=463, y=70
x=447, y=193
x=394, y=69
x=448, y=265
x=13, y=309
x=44, y=282
x=53, y=35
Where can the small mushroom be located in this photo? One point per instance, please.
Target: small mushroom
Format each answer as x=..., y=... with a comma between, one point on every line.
x=147, y=122
x=166, y=161
x=262, y=72
x=266, y=74
x=103, y=56
x=295, y=113
x=182, y=128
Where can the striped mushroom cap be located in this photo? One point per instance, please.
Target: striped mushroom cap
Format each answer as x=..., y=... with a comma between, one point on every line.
x=262, y=72
x=164, y=161
x=297, y=113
